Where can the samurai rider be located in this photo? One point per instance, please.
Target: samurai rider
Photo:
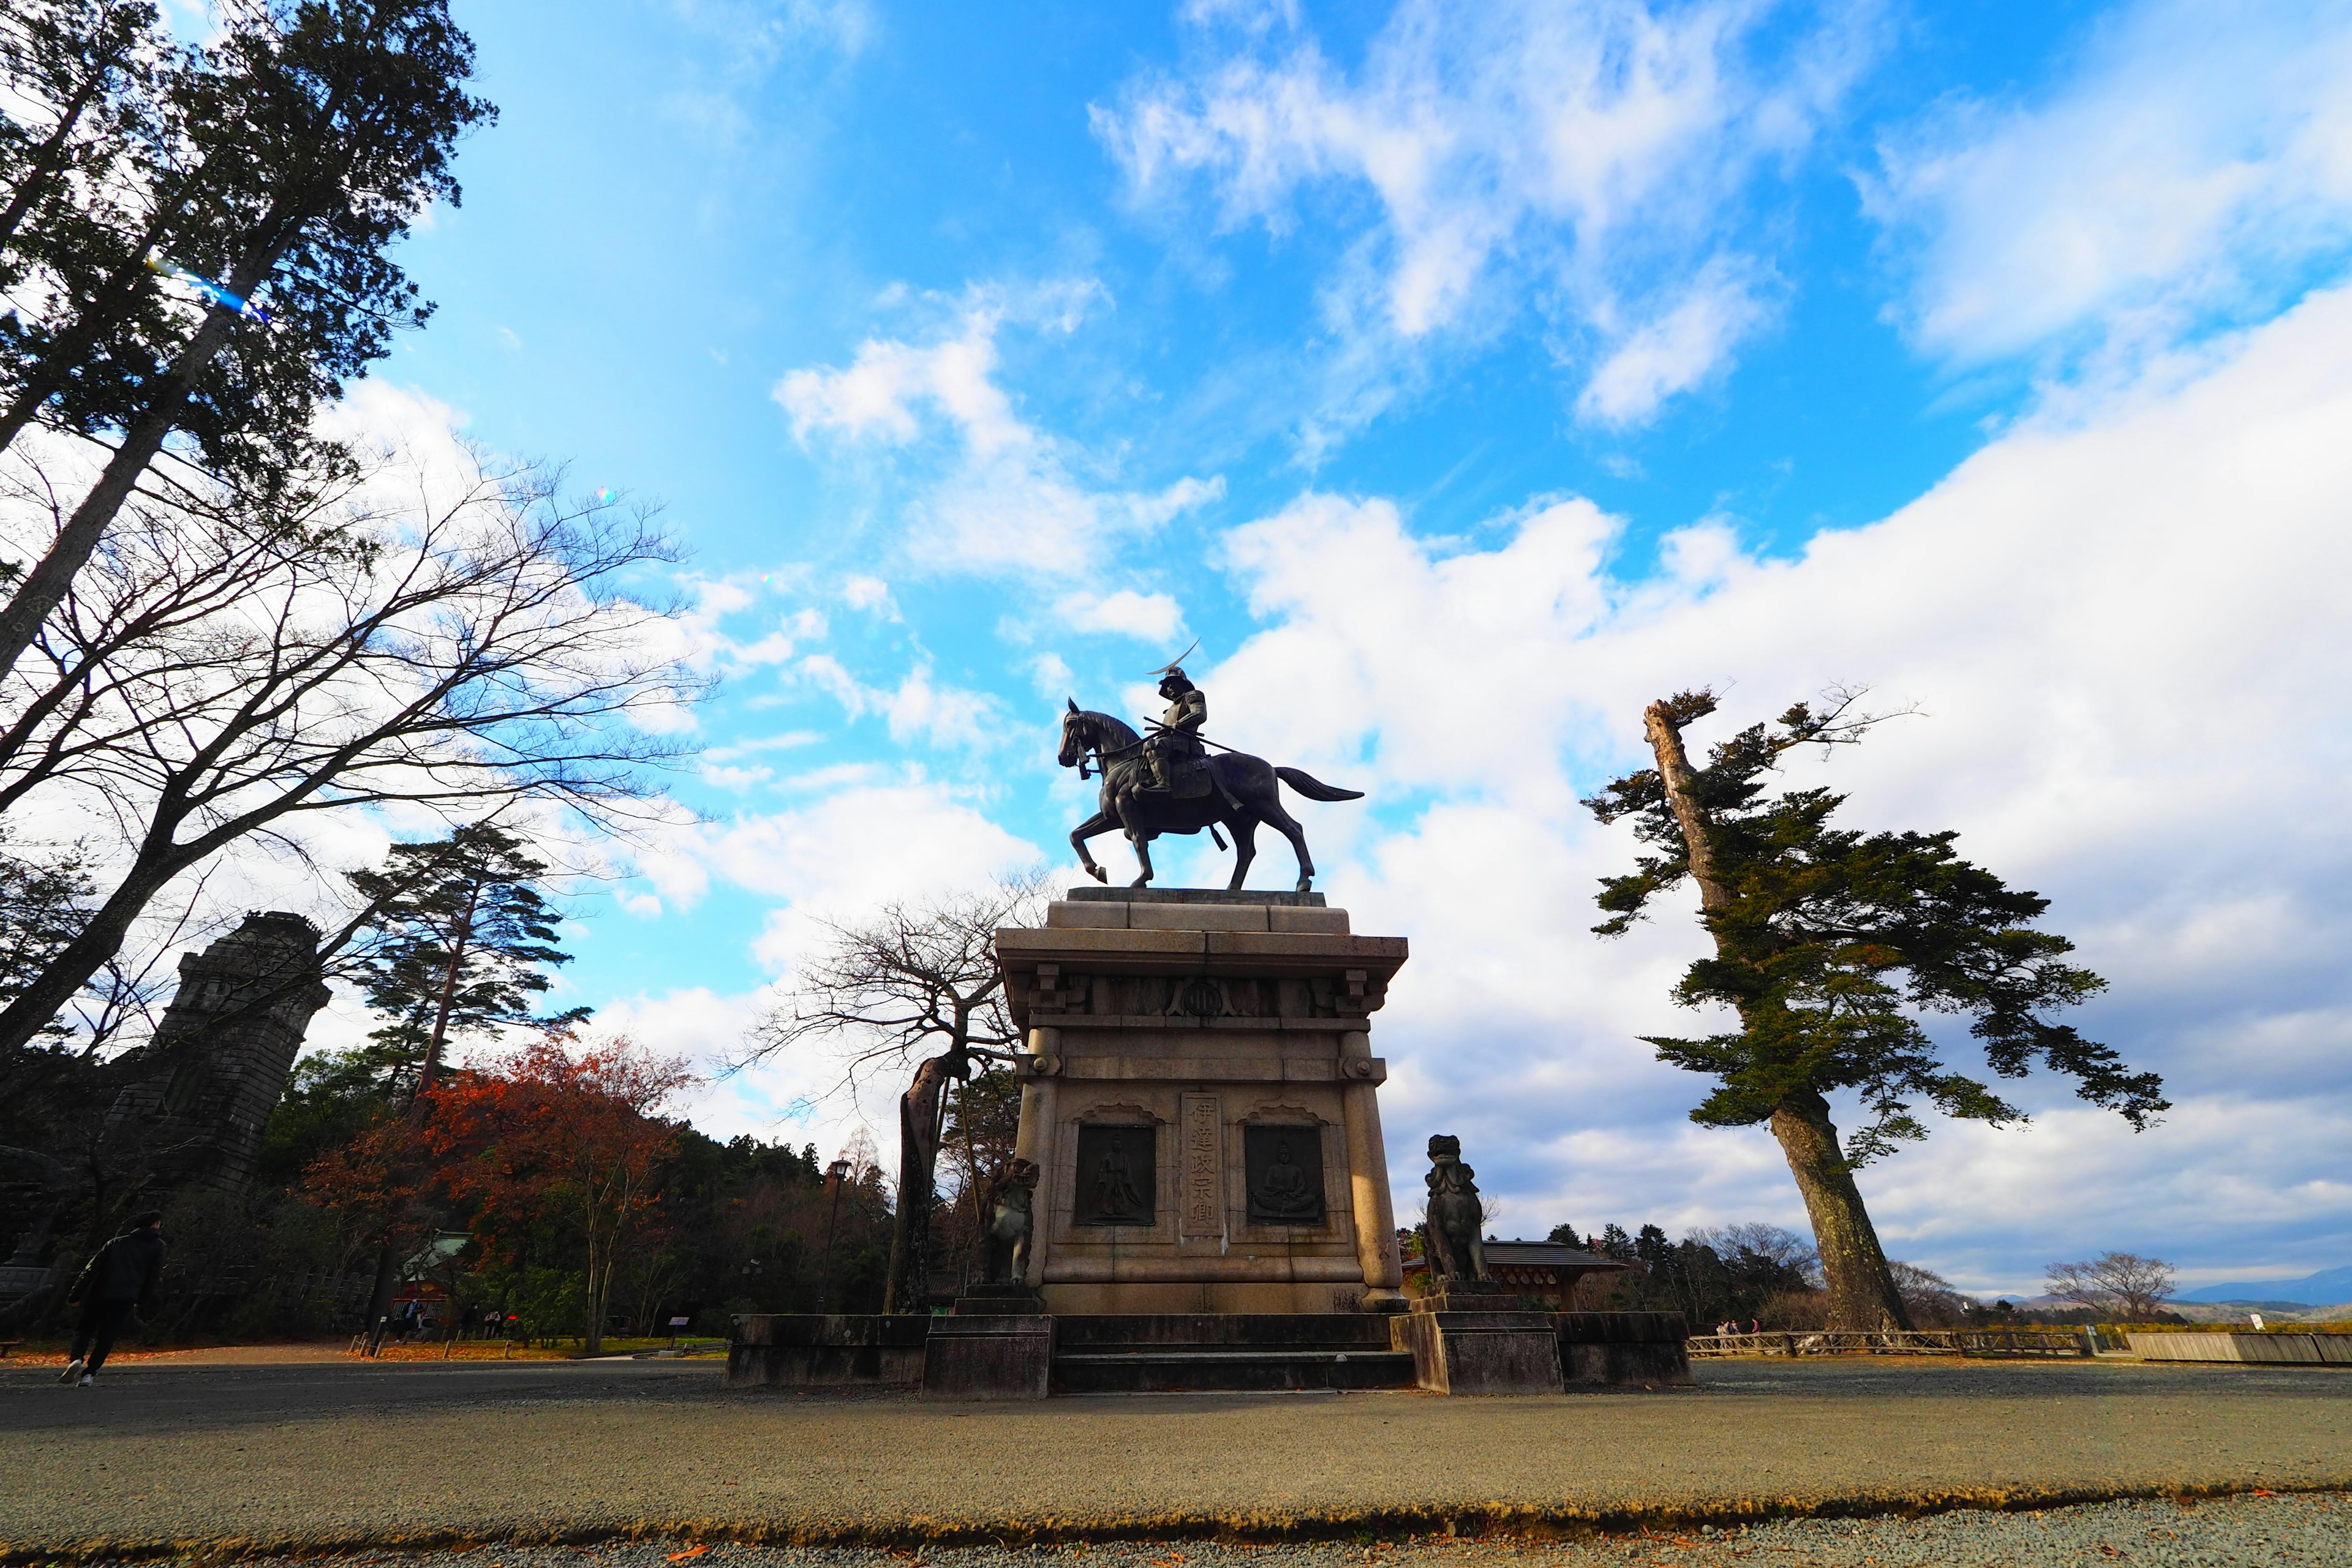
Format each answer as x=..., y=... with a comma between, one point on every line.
x=1176, y=742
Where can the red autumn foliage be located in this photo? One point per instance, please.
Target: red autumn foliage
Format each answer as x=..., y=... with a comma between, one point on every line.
x=553, y=1131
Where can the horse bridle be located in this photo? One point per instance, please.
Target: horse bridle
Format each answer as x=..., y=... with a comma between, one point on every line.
x=1102, y=755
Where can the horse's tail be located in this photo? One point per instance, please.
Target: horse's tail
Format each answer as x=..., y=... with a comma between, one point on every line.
x=1313, y=788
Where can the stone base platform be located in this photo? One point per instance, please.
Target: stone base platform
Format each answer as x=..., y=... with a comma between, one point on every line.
x=1643, y=1349
x=978, y=1354
x=809, y=1350
x=973, y=1356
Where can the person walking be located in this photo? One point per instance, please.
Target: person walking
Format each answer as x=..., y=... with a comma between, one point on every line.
x=119, y=1281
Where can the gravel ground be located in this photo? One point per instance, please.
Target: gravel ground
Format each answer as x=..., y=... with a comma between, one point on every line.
x=240, y=1460
x=2257, y=1532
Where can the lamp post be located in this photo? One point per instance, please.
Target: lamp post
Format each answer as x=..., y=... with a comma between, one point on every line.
x=834, y=1174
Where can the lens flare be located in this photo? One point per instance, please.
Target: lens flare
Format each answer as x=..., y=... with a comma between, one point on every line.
x=206, y=287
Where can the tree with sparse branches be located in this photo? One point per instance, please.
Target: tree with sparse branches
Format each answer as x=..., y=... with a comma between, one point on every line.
x=1831, y=949
x=2124, y=1283
x=477, y=647
x=913, y=978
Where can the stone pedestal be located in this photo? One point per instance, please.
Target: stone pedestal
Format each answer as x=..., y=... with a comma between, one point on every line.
x=973, y=1356
x=1467, y=1296
x=1480, y=1352
x=809, y=1350
x=1650, y=1349
x=997, y=1300
x=1201, y=1097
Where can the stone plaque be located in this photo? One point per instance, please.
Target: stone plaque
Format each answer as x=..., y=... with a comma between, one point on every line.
x=1284, y=1166
x=1117, y=1175
x=1201, y=1210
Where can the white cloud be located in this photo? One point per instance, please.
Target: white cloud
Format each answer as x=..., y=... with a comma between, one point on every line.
x=737, y=779
x=2197, y=161
x=1680, y=350
x=1001, y=495
x=854, y=849
x=763, y=32
x=916, y=708
x=707, y=1031
x=1050, y=673
x=860, y=845
x=1591, y=157
x=1151, y=617
x=2126, y=630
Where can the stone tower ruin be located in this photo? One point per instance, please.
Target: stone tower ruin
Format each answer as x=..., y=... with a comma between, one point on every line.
x=203, y=1088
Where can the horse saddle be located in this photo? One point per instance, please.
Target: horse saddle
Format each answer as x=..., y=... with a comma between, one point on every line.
x=1188, y=778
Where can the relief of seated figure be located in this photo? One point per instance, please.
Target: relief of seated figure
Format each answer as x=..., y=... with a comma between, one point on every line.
x=1284, y=1188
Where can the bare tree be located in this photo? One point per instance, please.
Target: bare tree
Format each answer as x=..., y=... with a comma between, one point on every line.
x=240, y=663
x=1933, y=1302
x=2124, y=1283
x=915, y=977
x=1782, y=1245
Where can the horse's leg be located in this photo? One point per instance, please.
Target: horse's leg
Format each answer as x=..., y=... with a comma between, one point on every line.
x=1100, y=821
x=1245, y=828
x=1142, y=842
x=1287, y=826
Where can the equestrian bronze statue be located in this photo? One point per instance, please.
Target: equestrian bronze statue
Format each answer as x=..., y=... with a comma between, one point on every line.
x=1168, y=783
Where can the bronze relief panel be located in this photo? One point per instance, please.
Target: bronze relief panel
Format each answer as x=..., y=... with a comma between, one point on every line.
x=1284, y=1168
x=1117, y=1175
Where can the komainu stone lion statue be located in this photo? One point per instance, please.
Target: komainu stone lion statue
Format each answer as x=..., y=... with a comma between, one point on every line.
x=1457, y=1217
x=1004, y=1245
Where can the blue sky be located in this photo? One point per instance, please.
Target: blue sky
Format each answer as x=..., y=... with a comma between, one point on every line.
x=1464, y=377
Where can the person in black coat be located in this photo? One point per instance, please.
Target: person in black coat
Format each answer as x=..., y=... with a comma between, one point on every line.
x=119, y=1281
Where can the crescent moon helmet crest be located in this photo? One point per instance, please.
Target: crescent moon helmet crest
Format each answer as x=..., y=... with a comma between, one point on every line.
x=1179, y=658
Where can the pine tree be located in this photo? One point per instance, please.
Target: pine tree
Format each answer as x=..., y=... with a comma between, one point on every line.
x=468, y=942
x=281, y=163
x=1829, y=946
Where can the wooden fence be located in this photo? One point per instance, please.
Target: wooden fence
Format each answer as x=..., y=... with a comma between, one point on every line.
x=2275, y=1349
x=1896, y=1341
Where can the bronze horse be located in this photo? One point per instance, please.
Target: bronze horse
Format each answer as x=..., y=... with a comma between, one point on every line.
x=1245, y=790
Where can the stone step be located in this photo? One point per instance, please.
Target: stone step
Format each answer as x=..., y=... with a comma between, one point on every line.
x=1162, y=1369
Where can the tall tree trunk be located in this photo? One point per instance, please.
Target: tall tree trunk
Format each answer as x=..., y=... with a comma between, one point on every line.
x=1861, y=1287
x=908, y=1287
x=51, y=374
x=49, y=157
x=387, y=1264
x=905, y=1285
x=1665, y=737
x=595, y=1338
x=44, y=587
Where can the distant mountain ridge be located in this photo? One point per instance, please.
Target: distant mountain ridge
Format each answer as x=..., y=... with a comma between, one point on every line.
x=2324, y=1289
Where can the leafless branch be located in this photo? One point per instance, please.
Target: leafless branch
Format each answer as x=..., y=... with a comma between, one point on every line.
x=232, y=664
x=914, y=978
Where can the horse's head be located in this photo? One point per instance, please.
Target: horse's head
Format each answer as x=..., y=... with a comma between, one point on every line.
x=1077, y=738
